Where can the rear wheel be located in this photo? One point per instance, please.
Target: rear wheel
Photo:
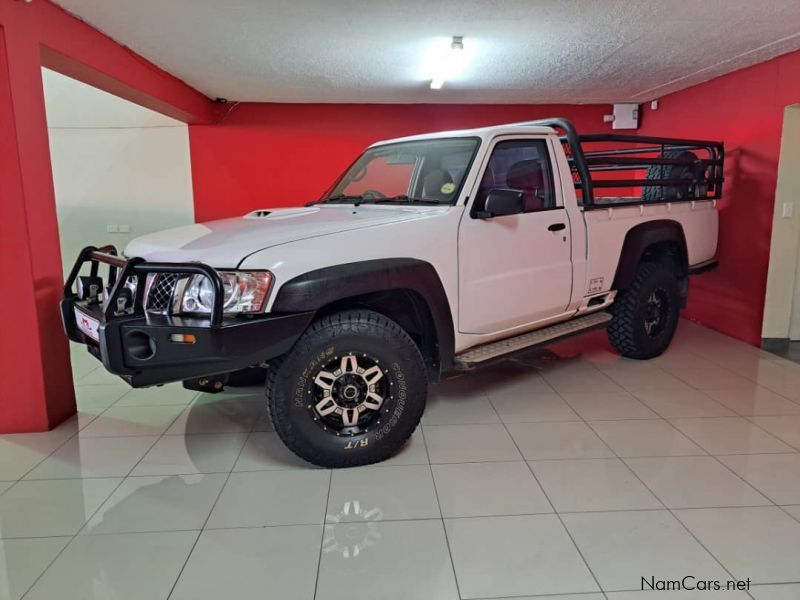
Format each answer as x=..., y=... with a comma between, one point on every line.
x=351, y=391
x=645, y=315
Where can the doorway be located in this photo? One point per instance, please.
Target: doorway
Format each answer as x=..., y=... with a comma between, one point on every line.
x=119, y=170
x=781, y=325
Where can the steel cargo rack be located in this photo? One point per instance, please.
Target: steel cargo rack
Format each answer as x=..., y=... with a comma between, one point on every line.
x=665, y=169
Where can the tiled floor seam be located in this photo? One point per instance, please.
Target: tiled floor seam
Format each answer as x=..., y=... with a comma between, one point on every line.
x=439, y=505
x=322, y=537
x=672, y=513
x=100, y=506
x=208, y=516
x=555, y=511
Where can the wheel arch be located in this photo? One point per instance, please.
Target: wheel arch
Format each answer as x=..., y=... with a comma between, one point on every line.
x=662, y=240
x=407, y=290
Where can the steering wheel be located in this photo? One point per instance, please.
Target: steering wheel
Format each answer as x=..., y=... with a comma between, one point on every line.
x=372, y=194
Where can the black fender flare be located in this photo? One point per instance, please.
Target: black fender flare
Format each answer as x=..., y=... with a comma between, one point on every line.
x=644, y=236
x=315, y=289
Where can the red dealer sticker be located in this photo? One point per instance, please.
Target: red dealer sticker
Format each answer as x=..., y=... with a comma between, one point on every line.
x=88, y=325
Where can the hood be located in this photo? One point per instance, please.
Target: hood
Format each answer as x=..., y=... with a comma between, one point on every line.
x=225, y=243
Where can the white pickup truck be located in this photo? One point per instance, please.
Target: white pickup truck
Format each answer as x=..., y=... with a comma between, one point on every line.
x=429, y=254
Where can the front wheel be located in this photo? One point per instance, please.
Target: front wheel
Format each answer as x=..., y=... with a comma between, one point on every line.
x=645, y=315
x=351, y=391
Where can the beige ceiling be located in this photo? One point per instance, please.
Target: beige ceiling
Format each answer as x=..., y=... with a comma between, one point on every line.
x=575, y=51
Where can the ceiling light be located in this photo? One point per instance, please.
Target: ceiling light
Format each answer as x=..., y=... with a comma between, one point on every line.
x=447, y=62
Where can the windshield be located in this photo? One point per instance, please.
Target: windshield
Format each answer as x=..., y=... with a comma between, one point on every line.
x=429, y=172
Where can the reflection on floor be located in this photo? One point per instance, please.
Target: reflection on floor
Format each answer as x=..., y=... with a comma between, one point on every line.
x=789, y=350
x=570, y=473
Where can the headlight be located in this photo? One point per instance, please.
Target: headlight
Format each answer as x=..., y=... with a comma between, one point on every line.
x=244, y=292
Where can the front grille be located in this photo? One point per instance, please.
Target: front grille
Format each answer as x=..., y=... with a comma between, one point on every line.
x=160, y=297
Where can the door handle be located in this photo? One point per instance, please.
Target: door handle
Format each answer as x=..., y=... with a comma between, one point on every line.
x=556, y=227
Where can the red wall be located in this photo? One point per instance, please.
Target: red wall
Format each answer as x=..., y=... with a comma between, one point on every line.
x=264, y=155
x=37, y=391
x=745, y=110
x=269, y=155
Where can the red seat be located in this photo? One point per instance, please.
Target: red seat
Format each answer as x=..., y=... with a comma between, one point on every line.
x=527, y=176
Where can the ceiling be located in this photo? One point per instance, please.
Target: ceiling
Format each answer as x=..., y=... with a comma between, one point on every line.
x=523, y=51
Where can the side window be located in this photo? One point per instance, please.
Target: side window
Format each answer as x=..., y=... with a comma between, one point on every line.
x=522, y=165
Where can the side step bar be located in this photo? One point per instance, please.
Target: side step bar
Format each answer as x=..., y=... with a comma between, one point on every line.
x=475, y=357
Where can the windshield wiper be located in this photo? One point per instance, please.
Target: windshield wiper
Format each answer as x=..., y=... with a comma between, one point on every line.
x=338, y=198
x=401, y=199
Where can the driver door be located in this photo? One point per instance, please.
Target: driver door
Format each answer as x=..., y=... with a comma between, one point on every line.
x=515, y=270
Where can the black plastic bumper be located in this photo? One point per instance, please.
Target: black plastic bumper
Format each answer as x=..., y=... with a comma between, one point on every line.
x=142, y=347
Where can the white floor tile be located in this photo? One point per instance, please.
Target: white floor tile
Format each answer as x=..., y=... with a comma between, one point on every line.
x=645, y=438
x=163, y=503
x=793, y=510
x=516, y=556
x=558, y=440
x=579, y=378
x=397, y=560
x=23, y=560
x=272, y=498
x=776, y=592
x=452, y=403
x=99, y=376
x=636, y=376
x=592, y=484
x=119, y=567
x=776, y=475
x=760, y=543
x=537, y=407
x=264, y=451
x=488, y=489
x=730, y=435
x=401, y=492
x=786, y=428
x=218, y=417
x=680, y=594
x=89, y=397
x=694, y=482
x=51, y=508
x=755, y=400
x=608, y=406
x=469, y=443
x=623, y=547
x=94, y=457
x=274, y=562
x=185, y=455
x=597, y=596
x=688, y=403
x=20, y=452
x=172, y=393
x=413, y=453
x=120, y=421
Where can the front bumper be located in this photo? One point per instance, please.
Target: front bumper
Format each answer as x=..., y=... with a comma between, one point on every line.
x=141, y=348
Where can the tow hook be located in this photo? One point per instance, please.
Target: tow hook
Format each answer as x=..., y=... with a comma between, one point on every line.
x=212, y=384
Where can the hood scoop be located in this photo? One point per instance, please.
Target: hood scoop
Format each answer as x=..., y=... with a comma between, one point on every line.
x=274, y=214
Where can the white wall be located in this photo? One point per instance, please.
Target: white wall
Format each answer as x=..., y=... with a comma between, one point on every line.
x=114, y=164
x=782, y=303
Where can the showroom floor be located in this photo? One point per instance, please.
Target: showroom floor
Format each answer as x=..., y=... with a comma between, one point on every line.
x=554, y=474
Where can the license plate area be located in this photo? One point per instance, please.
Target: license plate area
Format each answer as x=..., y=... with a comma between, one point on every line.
x=88, y=325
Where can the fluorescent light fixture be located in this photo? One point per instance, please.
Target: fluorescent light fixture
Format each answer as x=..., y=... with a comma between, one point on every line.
x=444, y=62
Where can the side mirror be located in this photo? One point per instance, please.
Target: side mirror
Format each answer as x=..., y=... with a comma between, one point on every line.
x=502, y=202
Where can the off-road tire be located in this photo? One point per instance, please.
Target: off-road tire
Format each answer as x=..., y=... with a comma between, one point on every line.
x=290, y=389
x=627, y=330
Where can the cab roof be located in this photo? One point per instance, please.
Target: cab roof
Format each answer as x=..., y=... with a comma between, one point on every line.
x=485, y=133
